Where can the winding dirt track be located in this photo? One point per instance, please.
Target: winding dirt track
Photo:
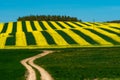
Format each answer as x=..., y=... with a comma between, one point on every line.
x=29, y=64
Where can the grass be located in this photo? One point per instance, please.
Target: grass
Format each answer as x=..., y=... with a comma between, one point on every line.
x=84, y=63
x=10, y=67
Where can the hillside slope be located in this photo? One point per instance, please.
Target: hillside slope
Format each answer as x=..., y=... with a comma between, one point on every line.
x=58, y=34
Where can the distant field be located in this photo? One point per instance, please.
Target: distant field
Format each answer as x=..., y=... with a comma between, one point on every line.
x=83, y=64
x=58, y=34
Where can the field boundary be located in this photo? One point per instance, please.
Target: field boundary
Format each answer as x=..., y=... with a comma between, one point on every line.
x=57, y=47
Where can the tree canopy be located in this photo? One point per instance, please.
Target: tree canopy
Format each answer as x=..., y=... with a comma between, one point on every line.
x=47, y=18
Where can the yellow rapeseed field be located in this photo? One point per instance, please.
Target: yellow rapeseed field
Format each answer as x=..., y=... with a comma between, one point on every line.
x=57, y=26
x=35, y=29
x=58, y=39
x=111, y=35
x=95, y=37
x=65, y=25
x=28, y=26
x=10, y=27
x=40, y=39
x=1, y=27
x=77, y=38
x=19, y=26
x=38, y=27
x=21, y=39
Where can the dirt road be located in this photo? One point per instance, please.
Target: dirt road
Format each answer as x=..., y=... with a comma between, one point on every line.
x=29, y=64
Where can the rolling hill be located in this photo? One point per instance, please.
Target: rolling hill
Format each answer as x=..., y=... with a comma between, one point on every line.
x=58, y=34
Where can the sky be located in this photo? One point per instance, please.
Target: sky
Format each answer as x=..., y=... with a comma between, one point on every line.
x=86, y=10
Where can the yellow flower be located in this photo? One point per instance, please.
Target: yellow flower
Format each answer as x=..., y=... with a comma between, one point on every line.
x=58, y=38
x=40, y=39
x=10, y=27
x=21, y=39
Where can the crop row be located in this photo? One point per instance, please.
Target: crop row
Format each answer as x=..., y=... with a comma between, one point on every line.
x=58, y=33
x=29, y=26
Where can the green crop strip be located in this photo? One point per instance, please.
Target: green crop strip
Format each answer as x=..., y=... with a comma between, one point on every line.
x=60, y=24
x=110, y=31
x=51, y=25
x=94, y=23
x=14, y=29
x=66, y=37
x=48, y=37
x=78, y=24
x=33, y=26
x=30, y=38
x=83, y=64
x=42, y=26
x=69, y=25
x=24, y=26
x=85, y=24
x=87, y=38
x=11, y=39
x=115, y=27
x=103, y=23
x=104, y=36
x=4, y=28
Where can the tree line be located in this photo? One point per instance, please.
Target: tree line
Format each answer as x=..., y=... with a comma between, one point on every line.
x=114, y=21
x=47, y=18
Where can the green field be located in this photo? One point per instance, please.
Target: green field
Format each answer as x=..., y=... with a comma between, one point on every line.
x=66, y=64
x=10, y=67
x=84, y=63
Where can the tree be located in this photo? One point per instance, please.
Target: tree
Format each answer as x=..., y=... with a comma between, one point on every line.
x=47, y=18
